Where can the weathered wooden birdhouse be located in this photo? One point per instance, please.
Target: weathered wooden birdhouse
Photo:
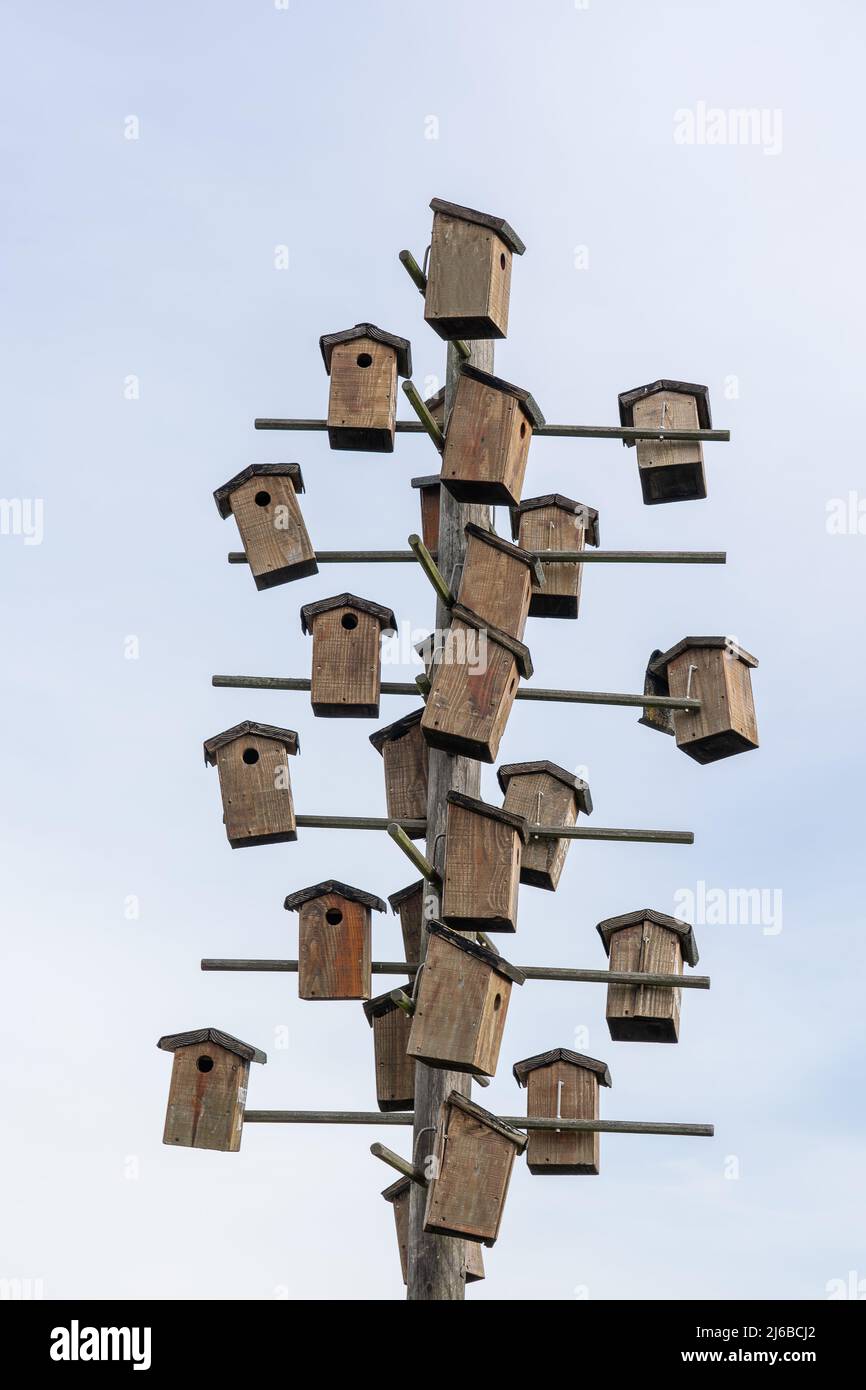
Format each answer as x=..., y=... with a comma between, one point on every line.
x=461, y=1002
x=346, y=655
x=263, y=499
x=363, y=363
x=498, y=580
x=408, y=904
x=405, y=755
x=554, y=522
x=398, y=1195
x=488, y=437
x=469, y=274
x=428, y=490
x=562, y=1085
x=208, y=1090
x=483, y=847
x=254, y=782
x=545, y=794
x=671, y=470
x=474, y=684
x=472, y=1163
x=646, y=942
x=716, y=671
x=334, y=940
x=395, y=1069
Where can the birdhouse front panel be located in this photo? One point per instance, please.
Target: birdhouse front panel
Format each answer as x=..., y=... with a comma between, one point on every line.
x=545, y=795
x=335, y=949
x=346, y=668
x=486, y=444
x=563, y=1091
x=395, y=1069
x=643, y=1013
x=429, y=492
x=469, y=277
x=482, y=866
x=473, y=1159
x=720, y=677
x=208, y=1089
x=272, y=530
x=497, y=580
x=408, y=903
x=405, y=754
x=556, y=524
x=671, y=470
x=461, y=1003
x=474, y=685
x=256, y=791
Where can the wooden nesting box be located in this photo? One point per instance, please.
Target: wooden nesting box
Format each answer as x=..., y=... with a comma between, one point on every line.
x=405, y=755
x=408, y=904
x=544, y=794
x=473, y=1159
x=334, y=940
x=487, y=440
x=483, y=847
x=254, y=782
x=428, y=490
x=346, y=655
x=461, y=1002
x=717, y=672
x=208, y=1090
x=555, y=522
x=398, y=1195
x=650, y=943
x=562, y=1085
x=395, y=1070
x=469, y=276
x=473, y=686
x=498, y=580
x=670, y=470
x=263, y=499
x=363, y=363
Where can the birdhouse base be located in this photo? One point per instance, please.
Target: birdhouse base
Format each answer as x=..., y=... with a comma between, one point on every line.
x=328, y=710
x=477, y=326
x=672, y=482
x=302, y=569
x=476, y=924
x=714, y=747
x=543, y=605
x=568, y=1170
x=647, y=1030
x=361, y=440
x=483, y=493
x=277, y=837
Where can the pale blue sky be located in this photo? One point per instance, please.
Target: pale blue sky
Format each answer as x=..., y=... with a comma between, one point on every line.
x=307, y=128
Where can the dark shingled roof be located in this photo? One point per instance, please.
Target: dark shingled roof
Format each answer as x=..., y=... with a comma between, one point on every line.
x=483, y=808
x=502, y=639
x=580, y=788
x=659, y=664
x=399, y=729
x=472, y=948
x=172, y=1041
x=482, y=219
x=482, y=533
x=333, y=885
x=256, y=470
x=484, y=1117
x=287, y=737
x=685, y=388
x=395, y=899
x=363, y=605
x=329, y=341
x=527, y=402
x=561, y=1054
x=557, y=499
x=684, y=930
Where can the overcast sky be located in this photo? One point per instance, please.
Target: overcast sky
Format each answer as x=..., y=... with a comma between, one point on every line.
x=161, y=163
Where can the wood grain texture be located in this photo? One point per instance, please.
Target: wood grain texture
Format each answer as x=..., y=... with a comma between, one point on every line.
x=394, y=1068
x=567, y=1092
x=256, y=792
x=482, y=873
x=334, y=956
x=430, y=515
x=272, y=530
x=496, y=586
x=670, y=470
x=206, y=1107
x=472, y=1259
x=346, y=672
x=469, y=280
x=644, y=1014
x=486, y=445
x=543, y=800
x=473, y=1163
x=362, y=404
x=406, y=762
x=726, y=723
x=471, y=696
x=461, y=1004
x=409, y=905
x=554, y=528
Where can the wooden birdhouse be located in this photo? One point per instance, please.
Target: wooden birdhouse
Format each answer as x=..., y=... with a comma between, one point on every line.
x=461, y=1002
x=408, y=904
x=346, y=655
x=469, y=276
x=208, y=1090
x=498, y=580
x=474, y=684
x=717, y=672
x=487, y=440
x=483, y=846
x=395, y=1069
x=544, y=794
x=398, y=1195
x=671, y=470
x=363, y=363
x=646, y=942
x=405, y=755
x=428, y=490
x=254, y=782
x=562, y=1085
x=263, y=499
x=334, y=940
x=554, y=522
x=472, y=1163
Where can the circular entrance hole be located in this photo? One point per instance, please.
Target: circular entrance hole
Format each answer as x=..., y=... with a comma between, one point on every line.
x=364, y=359
x=333, y=916
x=348, y=621
x=251, y=755
x=205, y=1063
x=263, y=499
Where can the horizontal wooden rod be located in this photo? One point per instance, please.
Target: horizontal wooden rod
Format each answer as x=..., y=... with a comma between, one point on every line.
x=358, y=823
x=532, y=972
x=625, y=432
x=560, y=557
x=401, y=1165
x=544, y=832
x=568, y=697
x=402, y=1117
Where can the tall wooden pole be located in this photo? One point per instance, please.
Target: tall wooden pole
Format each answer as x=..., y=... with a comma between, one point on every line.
x=436, y=1262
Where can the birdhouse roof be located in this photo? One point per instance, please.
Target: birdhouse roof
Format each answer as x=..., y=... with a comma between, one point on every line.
x=376, y=1008
x=526, y=401
x=341, y=890
x=399, y=729
x=223, y=494
x=481, y=533
x=363, y=605
x=502, y=639
x=287, y=737
x=658, y=665
x=397, y=1189
x=482, y=219
x=580, y=788
x=429, y=480
x=172, y=1041
x=561, y=1054
x=472, y=948
x=329, y=341
x=567, y=504
x=484, y=1117
x=701, y=394
x=483, y=808
x=684, y=930
x=395, y=899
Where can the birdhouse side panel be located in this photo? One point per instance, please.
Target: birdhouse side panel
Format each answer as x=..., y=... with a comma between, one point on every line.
x=486, y=445
x=406, y=762
x=474, y=687
x=562, y=1091
x=496, y=587
x=450, y=1003
x=430, y=509
x=543, y=800
x=468, y=286
x=401, y=1223
x=553, y=528
x=482, y=871
x=256, y=792
x=395, y=1070
x=362, y=404
x=334, y=938
x=671, y=470
x=473, y=1171
x=346, y=665
x=492, y=1024
x=207, y=1097
x=641, y=1013
x=725, y=724
x=272, y=531
x=411, y=912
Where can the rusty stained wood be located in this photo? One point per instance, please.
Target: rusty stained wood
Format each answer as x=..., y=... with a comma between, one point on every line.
x=334, y=948
x=206, y=1099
